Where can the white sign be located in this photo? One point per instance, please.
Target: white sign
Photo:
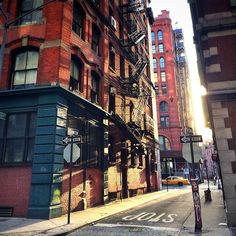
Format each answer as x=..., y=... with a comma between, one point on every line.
x=67, y=153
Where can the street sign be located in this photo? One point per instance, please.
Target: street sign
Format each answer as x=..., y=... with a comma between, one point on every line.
x=67, y=153
x=191, y=138
x=76, y=139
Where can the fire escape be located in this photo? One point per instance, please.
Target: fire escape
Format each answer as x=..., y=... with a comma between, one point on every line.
x=136, y=53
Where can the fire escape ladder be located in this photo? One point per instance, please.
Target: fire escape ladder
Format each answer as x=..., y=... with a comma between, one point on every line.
x=139, y=109
x=139, y=69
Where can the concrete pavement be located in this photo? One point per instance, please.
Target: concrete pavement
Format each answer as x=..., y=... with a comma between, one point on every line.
x=213, y=216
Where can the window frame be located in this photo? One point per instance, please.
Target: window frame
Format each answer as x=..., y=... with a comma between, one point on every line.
x=78, y=20
x=27, y=137
x=95, y=79
x=160, y=35
x=31, y=18
x=160, y=47
x=163, y=106
x=162, y=63
x=96, y=34
x=76, y=83
x=25, y=70
x=163, y=140
x=112, y=57
x=164, y=120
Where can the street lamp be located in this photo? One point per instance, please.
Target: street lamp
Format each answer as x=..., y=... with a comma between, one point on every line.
x=7, y=24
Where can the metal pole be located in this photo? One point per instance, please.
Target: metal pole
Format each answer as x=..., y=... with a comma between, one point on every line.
x=192, y=157
x=70, y=179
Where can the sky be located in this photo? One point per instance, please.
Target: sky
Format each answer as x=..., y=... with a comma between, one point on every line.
x=181, y=18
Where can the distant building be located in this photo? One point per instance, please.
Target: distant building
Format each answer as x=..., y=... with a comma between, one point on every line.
x=214, y=26
x=171, y=84
x=83, y=67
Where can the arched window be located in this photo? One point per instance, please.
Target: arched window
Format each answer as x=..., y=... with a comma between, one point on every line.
x=78, y=20
x=24, y=72
x=163, y=106
x=76, y=68
x=27, y=6
x=154, y=63
x=164, y=143
x=95, y=39
x=162, y=63
x=94, y=87
x=159, y=35
x=153, y=36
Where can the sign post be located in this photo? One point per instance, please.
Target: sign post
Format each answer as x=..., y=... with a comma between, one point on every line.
x=71, y=154
x=194, y=181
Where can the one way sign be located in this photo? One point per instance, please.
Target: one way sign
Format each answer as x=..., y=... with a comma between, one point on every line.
x=191, y=138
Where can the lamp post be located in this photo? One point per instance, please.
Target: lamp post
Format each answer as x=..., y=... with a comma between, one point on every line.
x=7, y=24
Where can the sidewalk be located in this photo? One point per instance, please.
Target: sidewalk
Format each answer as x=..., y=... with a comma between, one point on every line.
x=212, y=214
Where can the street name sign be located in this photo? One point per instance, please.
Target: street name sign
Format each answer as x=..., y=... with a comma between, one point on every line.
x=76, y=139
x=191, y=138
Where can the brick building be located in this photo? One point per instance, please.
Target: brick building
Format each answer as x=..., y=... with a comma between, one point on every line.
x=81, y=66
x=214, y=25
x=170, y=76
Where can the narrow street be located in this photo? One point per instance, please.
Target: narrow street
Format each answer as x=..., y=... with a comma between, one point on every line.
x=162, y=218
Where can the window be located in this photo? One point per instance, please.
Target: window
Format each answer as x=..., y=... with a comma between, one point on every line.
x=95, y=39
x=155, y=76
x=160, y=47
x=35, y=16
x=112, y=99
x=78, y=20
x=112, y=56
x=156, y=89
x=164, y=121
x=153, y=36
x=17, y=138
x=159, y=35
x=162, y=63
x=154, y=63
x=163, y=76
x=24, y=72
x=122, y=67
x=75, y=74
x=163, y=106
x=153, y=48
x=164, y=143
x=164, y=89
x=94, y=87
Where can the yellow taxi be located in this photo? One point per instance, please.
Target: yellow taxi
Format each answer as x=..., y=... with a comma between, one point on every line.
x=175, y=180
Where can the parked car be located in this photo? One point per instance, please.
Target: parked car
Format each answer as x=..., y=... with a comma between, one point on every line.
x=175, y=180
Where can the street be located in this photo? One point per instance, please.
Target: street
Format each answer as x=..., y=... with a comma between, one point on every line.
x=162, y=218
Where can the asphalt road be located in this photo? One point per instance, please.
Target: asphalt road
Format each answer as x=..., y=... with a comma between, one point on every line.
x=162, y=218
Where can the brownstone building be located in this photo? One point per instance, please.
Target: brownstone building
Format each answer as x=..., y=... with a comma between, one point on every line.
x=170, y=76
x=81, y=66
x=214, y=25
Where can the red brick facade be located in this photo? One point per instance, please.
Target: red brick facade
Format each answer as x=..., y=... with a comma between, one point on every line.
x=170, y=127
x=58, y=43
x=214, y=34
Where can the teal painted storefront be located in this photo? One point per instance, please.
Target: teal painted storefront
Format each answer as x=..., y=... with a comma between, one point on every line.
x=54, y=106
